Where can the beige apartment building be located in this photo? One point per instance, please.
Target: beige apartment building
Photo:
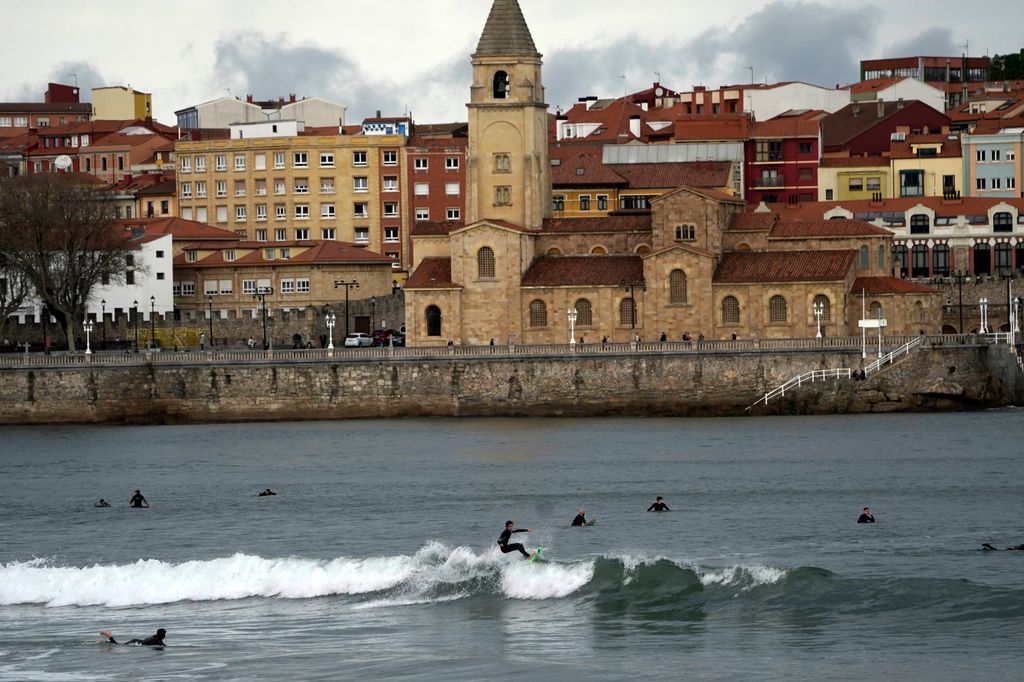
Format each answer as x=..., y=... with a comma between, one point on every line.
x=280, y=182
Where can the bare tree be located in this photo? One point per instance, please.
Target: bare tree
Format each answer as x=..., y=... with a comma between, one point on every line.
x=58, y=232
x=14, y=289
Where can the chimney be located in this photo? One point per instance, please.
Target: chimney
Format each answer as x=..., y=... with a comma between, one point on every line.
x=881, y=108
x=378, y=113
x=634, y=126
x=291, y=98
x=248, y=99
x=591, y=101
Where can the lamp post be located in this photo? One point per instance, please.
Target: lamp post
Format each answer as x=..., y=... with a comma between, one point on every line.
x=103, y=322
x=135, y=316
x=261, y=294
x=573, y=316
x=819, y=311
x=87, y=327
x=152, y=321
x=983, y=305
x=46, y=337
x=338, y=283
x=330, y=320
x=209, y=303
x=373, y=314
x=631, y=286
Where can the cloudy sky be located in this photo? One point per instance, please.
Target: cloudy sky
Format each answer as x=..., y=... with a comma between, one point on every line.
x=413, y=55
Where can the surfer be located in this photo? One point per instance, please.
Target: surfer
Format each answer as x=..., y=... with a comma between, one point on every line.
x=866, y=516
x=155, y=640
x=101, y=503
x=138, y=501
x=506, y=535
x=267, y=493
x=581, y=518
x=659, y=505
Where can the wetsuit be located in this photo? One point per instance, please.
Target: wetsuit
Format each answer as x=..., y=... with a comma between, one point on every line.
x=866, y=518
x=138, y=501
x=505, y=548
x=580, y=520
x=102, y=503
x=658, y=507
x=155, y=640
x=267, y=493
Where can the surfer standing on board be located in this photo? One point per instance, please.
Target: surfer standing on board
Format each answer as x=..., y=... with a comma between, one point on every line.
x=659, y=505
x=506, y=535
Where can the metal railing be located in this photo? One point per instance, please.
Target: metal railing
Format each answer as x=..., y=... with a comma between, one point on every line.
x=796, y=382
x=891, y=357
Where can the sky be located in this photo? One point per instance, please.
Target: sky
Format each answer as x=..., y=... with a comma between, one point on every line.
x=412, y=56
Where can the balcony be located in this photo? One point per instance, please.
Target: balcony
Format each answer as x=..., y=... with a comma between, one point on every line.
x=769, y=181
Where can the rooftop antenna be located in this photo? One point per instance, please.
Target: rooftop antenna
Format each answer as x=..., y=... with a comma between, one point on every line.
x=75, y=76
x=751, y=69
x=625, y=87
x=657, y=76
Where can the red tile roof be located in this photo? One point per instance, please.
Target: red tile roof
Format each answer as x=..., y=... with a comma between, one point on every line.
x=875, y=286
x=586, y=171
x=566, y=271
x=784, y=266
x=437, y=143
x=752, y=222
x=802, y=229
x=726, y=127
x=180, y=229
x=785, y=127
x=853, y=120
x=704, y=174
x=634, y=222
x=319, y=252
x=905, y=150
x=432, y=273
x=874, y=85
x=429, y=228
x=337, y=252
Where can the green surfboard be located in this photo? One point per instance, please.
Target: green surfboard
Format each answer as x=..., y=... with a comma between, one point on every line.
x=536, y=554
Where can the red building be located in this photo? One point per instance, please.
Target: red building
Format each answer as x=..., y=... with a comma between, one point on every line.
x=436, y=172
x=781, y=159
x=865, y=129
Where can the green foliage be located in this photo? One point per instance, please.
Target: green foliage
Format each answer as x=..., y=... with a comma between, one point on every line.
x=1007, y=67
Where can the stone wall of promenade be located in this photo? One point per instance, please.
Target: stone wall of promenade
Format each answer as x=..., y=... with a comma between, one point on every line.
x=213, y=388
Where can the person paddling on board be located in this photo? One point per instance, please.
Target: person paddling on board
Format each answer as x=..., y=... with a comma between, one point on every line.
x=267, y=493
x=581, y=518
x=506, y=535
x=659, y=505
x=866, y=516
x=138, y=501
x=155, y=640
x=988, y=547
x=101, y=503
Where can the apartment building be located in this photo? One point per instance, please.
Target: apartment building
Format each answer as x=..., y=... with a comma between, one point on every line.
x=279, y=181
x=992, y=163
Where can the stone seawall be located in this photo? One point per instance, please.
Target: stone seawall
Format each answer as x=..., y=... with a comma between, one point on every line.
x=627, y=384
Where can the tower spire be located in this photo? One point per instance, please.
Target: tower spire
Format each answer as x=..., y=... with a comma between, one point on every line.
x=506, y=33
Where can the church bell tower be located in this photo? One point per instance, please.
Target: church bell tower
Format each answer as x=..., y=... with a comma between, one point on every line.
x=509, y=174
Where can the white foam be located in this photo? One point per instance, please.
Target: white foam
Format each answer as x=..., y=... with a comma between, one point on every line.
x=526, y=580
x=744, y=577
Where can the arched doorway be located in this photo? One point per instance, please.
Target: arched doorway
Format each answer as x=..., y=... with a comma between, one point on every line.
x=433, y=321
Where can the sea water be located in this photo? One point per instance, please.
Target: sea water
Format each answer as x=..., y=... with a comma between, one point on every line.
x=377, y=559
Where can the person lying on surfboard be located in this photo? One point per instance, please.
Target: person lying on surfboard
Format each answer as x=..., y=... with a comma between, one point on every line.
x=155, y=640
x=581, y=518
x=506, y=535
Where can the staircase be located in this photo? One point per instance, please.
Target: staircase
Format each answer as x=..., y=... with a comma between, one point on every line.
x=845, y=373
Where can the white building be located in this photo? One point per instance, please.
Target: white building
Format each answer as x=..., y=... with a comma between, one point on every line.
x=315, y=112
x=896, y=89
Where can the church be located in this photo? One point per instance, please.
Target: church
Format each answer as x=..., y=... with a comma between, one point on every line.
x=696, y=263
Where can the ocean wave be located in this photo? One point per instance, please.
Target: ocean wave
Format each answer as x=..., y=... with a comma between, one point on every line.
x=437, y=573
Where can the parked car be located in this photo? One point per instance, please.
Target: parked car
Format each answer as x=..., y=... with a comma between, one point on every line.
x=357, y=339
x=387, y=337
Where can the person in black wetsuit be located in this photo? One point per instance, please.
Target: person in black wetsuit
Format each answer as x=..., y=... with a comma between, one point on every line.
x=866, y=516
x=101, y=503
x=138, y=501
x=155, y=640
x=506, y=535
x=659, y=505
x=581, y=518
x=988, y=547
x=267, y=493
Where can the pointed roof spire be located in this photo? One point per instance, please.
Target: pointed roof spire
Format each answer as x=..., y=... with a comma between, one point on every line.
x=506, y=33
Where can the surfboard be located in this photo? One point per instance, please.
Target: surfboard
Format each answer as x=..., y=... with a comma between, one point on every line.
x=535, y=554
x=591, y=522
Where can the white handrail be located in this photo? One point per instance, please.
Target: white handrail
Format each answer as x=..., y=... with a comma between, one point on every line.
x=890, y=358
x=809, y=377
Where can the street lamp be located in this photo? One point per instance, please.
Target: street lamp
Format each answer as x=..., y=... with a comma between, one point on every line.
x=983, y=304
x=135, y=316
x=152, y=321
x=209, y=303
x=87, y=326
x=373, y=314
x=330, y=319
x=262, y=293
x=46, y=337
x=631, y=286
x=573, y=316
x=819, y=311
x=103, y=321
x=338, y=283
x=960, y=289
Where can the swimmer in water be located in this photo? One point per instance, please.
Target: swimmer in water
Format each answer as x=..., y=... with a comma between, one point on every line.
x=138, y=501
x=866, y=516
x=659, y=505
x=267, y=493
x=506, y=535
x=101, y=503
x=581, y=518
x=155, y=640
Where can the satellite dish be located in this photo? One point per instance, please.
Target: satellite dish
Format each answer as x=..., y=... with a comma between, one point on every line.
x=62, y=162
x=659, y=92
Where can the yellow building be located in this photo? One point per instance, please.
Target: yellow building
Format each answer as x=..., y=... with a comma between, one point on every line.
x=275, y=182
x=926, y=166
x=118, y=103
x=851, y=178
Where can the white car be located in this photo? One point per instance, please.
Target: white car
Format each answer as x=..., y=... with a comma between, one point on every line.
x=357, y=339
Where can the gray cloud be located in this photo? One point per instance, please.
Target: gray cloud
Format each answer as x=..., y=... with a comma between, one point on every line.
x=938, y=42
x=64, y=72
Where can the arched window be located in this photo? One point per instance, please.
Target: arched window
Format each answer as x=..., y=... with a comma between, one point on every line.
x=940, y=258
x=864, y=264
x=919, y=261
x=778, y=311
x=881, y=258
x=433, y=321
x=502, y=163
x=982, y=259
x=554, y=251
x=627, y=313
x=538, y=313
x=1004, y=257
x=643, y=250
x=743, y=247
x=920, y=224
x=677, y=287
x=899, y=259
x=584, y=313
x=501, y=85
x=920, y=314
x=730, y=310
x=485, y=263
x=826, y=307
x=1002, y=222
x=875, y=311
x=598, y=251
